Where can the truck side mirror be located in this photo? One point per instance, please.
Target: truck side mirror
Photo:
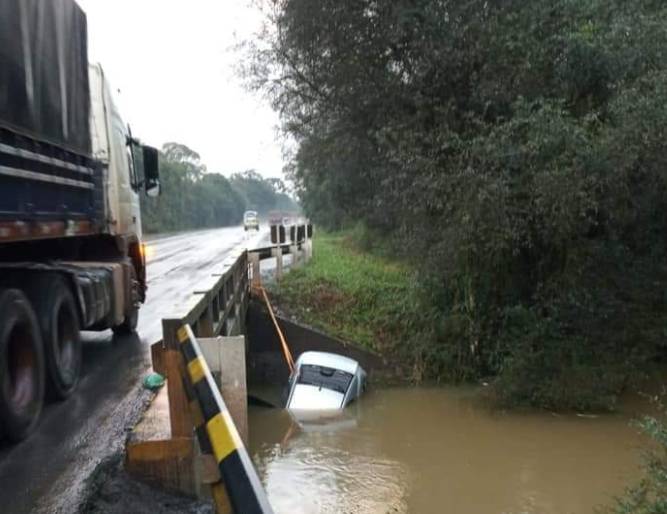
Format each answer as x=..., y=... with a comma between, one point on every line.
x=151, y=171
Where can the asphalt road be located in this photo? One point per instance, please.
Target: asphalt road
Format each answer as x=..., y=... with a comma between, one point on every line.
x=48, y=472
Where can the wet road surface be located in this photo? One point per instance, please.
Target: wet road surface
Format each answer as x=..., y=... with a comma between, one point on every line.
x=48, y=472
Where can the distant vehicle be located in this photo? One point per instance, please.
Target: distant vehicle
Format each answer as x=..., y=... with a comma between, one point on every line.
x=324, y=381
x=250, y=220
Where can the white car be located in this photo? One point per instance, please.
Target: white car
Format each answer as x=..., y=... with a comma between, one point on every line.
x=250, y=220
x=324, y=381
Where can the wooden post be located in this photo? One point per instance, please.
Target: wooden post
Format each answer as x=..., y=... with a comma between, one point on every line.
x=294, y=250
x=308, y=249
x=158, y=358
x=206, y=323
x=243, y=310
x=256, y=277
x=179, y=412
x=277, y=252
x=181, y=424
x=235, y=329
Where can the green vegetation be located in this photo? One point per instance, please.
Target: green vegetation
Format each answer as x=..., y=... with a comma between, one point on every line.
x=356, y=296
x=513, y=154
x=194, y=198
x=650, y=495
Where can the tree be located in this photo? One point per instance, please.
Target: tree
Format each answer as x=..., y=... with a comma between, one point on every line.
x=515, y=148
x=258, y=193
x=194, y=198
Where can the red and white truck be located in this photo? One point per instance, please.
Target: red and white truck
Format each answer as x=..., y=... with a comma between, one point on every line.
x=71, y=173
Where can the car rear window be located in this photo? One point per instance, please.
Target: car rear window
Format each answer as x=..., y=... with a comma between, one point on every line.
x=321, y=376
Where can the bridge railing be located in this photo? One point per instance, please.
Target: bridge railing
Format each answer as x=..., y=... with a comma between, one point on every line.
x=217, y=310
x=295, y=240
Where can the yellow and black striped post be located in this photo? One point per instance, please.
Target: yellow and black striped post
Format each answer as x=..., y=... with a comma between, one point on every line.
x=217, y=433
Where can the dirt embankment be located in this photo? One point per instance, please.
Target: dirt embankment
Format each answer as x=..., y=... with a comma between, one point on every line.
x=113, y=491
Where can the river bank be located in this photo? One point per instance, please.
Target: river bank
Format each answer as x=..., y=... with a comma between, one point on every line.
x=354, y=291
x=361, y=298
x=113, y=491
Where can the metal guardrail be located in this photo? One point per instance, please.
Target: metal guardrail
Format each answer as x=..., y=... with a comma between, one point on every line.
x=297, y=233
x=217, y=433
x=299, y=246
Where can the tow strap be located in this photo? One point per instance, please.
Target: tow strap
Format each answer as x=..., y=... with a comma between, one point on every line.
x=286, y=351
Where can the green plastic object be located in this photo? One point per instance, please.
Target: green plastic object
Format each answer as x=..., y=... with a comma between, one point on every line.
x=153, y=381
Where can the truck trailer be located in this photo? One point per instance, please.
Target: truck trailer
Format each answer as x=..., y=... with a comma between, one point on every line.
x=71, y=256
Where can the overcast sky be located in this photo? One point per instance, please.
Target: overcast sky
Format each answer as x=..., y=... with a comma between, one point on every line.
x=173, y=62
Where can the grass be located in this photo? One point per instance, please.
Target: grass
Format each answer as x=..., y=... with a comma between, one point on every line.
x=357, y=296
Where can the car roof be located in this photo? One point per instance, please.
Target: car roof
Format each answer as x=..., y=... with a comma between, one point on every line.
x=329, y=360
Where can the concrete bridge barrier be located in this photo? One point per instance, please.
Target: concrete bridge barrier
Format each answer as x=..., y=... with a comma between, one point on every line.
x=191, y=438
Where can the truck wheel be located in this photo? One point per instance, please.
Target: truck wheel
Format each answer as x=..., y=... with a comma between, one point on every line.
x=21, y=366
x=59, y=322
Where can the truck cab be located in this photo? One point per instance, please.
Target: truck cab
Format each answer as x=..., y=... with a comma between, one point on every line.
x=129, y=169
x=126, y=171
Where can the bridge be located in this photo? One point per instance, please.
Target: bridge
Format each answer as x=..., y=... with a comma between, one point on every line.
x=193, y=436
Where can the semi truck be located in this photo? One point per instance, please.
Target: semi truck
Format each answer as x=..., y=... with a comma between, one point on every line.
x=71, y=175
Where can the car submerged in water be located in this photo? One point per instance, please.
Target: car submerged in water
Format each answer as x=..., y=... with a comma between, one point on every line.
x=324, y=381
x=250, y=220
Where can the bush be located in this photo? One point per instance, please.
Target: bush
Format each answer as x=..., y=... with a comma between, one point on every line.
x=650, y=495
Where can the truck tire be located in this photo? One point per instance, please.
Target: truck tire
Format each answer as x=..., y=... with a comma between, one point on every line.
x=58, y=320
x=22, y=368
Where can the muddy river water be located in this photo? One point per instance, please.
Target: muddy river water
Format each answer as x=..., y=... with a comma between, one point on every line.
x=435, y=450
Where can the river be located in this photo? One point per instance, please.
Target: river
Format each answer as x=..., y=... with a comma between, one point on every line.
x=442, y=450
